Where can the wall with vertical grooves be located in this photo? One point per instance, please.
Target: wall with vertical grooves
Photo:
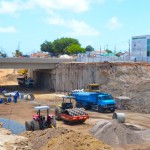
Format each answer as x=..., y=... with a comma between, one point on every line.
x=128, y=79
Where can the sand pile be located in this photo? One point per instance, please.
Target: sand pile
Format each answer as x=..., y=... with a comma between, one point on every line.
x=63, y=139
x=9, y=141
x=118, y=134
x=41, y=137
x=8, y=76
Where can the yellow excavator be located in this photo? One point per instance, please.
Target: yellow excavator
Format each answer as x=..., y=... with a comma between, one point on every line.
x=94, y=87
x=23, y=79
x=23, y=71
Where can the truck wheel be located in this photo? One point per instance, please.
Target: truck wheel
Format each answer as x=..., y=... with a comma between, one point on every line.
x=28, y=126
x=112, y=110
x=35, y=125
x=82, y=121
x=58, y=113
x=79, y=105
x=53, y=122
x=100, y=109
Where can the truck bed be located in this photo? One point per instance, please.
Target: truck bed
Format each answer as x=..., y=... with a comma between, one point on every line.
x=90, y=97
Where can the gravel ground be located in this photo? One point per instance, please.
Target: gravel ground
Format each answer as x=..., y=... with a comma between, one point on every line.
x=119, y=134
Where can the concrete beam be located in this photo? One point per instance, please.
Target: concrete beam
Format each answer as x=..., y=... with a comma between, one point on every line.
x=31, y=63
x=29, y=66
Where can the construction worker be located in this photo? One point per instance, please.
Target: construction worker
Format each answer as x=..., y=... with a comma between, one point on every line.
x=9, y=99
x=16, y=96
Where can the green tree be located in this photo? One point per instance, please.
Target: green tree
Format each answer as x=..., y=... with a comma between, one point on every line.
x=47, y=47
x=108, y=51
x=89, y=48
x=18, y=53
x=3, y=54
x=74, y=49
x=60, y=45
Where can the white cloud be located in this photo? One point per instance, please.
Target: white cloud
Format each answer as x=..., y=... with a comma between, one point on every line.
x=77, y=27
x=72, y=5
x=9, y=7
x=114, y=23
x=12, y=7
x=57, y=21
x=7, y=29
x=76, y=6
x=81, y=28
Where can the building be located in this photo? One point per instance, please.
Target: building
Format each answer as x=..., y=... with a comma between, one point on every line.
x=40, y=54
x=141, y=46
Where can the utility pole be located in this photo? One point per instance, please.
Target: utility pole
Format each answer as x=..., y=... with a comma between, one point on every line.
x=115, y=50
x=129, y=49
x=107, y=46
x=100, y=53
x=100, y=50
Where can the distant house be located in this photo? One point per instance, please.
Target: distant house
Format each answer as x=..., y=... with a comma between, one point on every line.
x=98, y=53
x=109, y=54
x=40, y=54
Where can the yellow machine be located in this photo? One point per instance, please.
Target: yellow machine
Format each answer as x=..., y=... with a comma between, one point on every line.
x=94, y=87
x=23, y=71
x=24, y=80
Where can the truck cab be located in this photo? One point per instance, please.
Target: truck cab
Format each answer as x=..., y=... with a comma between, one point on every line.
x=106, y=103
x=29, y=82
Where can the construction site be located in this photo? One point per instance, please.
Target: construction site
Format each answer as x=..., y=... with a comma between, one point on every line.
x=125, y=83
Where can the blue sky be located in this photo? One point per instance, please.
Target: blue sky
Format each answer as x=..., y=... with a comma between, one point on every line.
x=106, y=23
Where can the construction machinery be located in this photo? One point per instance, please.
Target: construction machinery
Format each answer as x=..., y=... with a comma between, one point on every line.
x=65, y=111
x=24, y=80
x=95, y=100
x=94, y=87
x=40, y=121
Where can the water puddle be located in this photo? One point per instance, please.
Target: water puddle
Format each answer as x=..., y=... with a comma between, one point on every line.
x=13, y=126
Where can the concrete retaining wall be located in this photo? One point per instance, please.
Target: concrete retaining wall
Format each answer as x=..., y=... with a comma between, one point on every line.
x=119, y=79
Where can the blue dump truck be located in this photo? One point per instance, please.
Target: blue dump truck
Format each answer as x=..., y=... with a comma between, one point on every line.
x=95, y=100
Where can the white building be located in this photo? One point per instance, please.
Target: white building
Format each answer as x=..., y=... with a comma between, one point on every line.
x=141, y=46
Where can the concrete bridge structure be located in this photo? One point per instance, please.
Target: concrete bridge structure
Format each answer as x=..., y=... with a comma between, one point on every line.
x=31, y=63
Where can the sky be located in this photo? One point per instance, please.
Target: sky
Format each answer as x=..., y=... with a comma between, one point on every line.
x=26, y=24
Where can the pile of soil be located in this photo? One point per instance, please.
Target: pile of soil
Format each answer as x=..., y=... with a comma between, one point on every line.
x=119, y=134
x=9, y=141
x=8, y=77
x=63, y=139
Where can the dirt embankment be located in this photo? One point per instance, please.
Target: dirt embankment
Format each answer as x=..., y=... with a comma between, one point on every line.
x=119, y=79
x=8, y=77
x=64, y=139
x=131, y=80
x=8, y=141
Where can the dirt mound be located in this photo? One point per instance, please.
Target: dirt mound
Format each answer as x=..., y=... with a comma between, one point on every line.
x=41, y=137
x=63, y=139
x=75, y=141
x=11, y=77
x=9, y=141
x=118, y=134
x=8, y=77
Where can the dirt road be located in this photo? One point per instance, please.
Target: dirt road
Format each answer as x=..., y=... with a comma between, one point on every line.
x=23, y=110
